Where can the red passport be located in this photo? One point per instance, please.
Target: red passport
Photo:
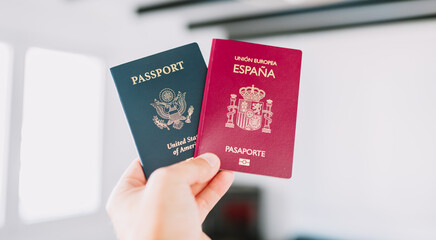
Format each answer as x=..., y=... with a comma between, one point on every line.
x=249, y=107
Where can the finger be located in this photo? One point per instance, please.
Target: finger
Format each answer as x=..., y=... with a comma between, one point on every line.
x=197, y=188
x=213, y=192
x=193, y=171
x=204, y=236
x=133, y=176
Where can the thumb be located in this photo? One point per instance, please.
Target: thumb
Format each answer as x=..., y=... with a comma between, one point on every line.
x=195, y=170
x=133, y=176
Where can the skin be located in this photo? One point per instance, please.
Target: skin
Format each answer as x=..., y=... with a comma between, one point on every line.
x=172, y=203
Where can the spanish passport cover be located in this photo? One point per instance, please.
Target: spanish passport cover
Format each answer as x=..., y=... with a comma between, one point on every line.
x=161, y=96
x=250, y=107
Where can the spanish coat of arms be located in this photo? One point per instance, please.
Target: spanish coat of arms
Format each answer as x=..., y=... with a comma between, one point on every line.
x=251, y=111
x=171, y=107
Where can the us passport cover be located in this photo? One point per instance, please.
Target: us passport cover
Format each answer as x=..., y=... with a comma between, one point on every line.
x=161, y=96
x=250, y=107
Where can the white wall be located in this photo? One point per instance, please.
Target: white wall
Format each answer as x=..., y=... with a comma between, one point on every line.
x=364, y=156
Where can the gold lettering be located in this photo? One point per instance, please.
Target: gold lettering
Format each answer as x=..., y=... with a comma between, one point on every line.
x=147, y=76
x=153, y=74
x=158, y=71
x=169, y=70
x=254, y=70
x=262, y=71
x=241, y=69
x=174, y=67
x=141, y=79
x=134, y=79
x=271, y=73
x=235, y=68
x=180, y=64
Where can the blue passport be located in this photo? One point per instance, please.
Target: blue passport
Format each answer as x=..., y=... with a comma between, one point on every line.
x=161, y=97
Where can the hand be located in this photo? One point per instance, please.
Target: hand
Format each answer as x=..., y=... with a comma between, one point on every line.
x=172, y=204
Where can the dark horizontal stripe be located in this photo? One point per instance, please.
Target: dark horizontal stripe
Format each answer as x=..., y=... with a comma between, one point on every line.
x=259, y=16
x=236, y=36
x=172, y=5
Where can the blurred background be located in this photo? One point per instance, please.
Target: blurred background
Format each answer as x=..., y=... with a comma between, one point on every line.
x=365, y=153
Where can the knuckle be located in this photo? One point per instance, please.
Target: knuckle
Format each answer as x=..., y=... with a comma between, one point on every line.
x=203, y=167
x=161, y=174
x=201, y=163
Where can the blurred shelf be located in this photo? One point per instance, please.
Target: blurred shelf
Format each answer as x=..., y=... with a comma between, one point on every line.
x=336, y=15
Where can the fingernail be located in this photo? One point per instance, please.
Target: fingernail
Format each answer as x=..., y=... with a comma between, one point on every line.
x=211, y=158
